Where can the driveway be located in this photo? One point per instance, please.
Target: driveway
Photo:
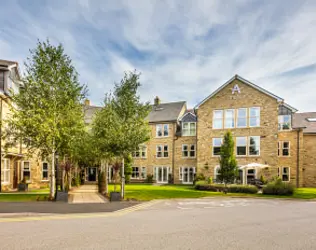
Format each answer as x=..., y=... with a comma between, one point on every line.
x=212, y=223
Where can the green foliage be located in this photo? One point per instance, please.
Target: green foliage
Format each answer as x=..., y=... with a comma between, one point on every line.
x=210, y=180
x=246, y=189
x=228, y=170
x=128, y=168
x=203, y=186
x=101, y=182
x=150, y=178
x=278, y=187
x=263, y=180
x=199, y=177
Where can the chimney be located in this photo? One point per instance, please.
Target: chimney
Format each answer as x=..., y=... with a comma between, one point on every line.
x=87, y=102
x=156, y=101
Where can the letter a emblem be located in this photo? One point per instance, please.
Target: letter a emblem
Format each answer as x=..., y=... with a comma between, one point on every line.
x=236, y=89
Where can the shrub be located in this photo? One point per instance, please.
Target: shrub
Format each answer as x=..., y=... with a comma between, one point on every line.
x=278, y=188
x=150, y=178
x=199, y=177
x=202, y=185
x=245, y=189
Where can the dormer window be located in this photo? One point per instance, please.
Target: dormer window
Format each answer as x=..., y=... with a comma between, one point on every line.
x=188, y=129
x=285, y=122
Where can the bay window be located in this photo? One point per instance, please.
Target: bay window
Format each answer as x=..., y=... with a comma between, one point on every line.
x=188, y=129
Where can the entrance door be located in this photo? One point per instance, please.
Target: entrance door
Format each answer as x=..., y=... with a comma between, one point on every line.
x=162, y=174
x=188, y=175
x=250, y=175
x=92, y=174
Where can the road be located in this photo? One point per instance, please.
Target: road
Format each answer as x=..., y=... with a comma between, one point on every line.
x=212, y=223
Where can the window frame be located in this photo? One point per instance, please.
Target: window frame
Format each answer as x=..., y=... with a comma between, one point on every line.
x=47, y=171
x=233, y=118
x=141, y=149
x=215, y=173
x=23, y=170
x=162, y=127
x=281, y=149
x=188, y=129
x=246, y=146
x=222, y=118
x=249, y=117
x=5, y=171
x=189, y=150
x=281, y=173
x=280, y=128
x=237, y=118
x=138, y=172
x=163, y=151
x=213, y=139
x=249, y=145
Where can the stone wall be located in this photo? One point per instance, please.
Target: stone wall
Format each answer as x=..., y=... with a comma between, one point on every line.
x=309, y=161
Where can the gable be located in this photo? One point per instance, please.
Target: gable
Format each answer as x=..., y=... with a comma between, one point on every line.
x=188, y=117
x=235, y=85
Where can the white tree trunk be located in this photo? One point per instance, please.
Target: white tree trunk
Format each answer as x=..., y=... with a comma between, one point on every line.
x=123, y=181
x=52, y=177
x=107, y=177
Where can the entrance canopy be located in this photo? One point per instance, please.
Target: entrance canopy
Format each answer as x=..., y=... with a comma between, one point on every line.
x=254, y=165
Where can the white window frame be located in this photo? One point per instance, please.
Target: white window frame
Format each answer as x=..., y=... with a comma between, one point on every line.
x=162, y=151
x=216, y=168
x=141, y=149
x=242, y=117
x=189, y=150
x=162, y=127
x=249, y=117
x=137, y=172
x=246, y=146
x=221, y=119
x=249, y=145
x=5, y=170
x=189, y=128
x=22, y=171
x=233, y=118
x=281, y=148
x=143, y=173
x=281, y=123
x=216, y=146
x=281, y=173
x=45, y=171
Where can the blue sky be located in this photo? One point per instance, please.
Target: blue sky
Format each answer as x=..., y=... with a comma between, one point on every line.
x=184, y=49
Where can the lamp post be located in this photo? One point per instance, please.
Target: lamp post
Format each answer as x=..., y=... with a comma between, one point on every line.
x=56, y=174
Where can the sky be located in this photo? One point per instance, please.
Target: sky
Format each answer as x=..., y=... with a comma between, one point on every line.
x=183, y=49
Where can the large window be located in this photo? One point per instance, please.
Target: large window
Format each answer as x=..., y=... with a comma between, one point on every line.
x=5, y=171
x=254, y=117
x=242, y=118
x=217, y=143
x=138, y=173
x=188, y=150
x=162, y=151
x=285, y=122
x=188, y=128
x=218, y=119
x=229, y=118
x=26, y=171
x=241, y=144
x=162, y=130
x=284, y=148
x=186, y=174
x=216, y=174
x=284, y=173
x=45, y=171
x=141, y=152
x=254, y=145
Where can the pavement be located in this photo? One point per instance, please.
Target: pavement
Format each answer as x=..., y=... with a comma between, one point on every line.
x=86, y=194
x=209, y=223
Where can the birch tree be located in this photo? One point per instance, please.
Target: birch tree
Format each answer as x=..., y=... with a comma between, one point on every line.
x=47, y=114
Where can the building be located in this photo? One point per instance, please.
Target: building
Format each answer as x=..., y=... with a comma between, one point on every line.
x=16, y=165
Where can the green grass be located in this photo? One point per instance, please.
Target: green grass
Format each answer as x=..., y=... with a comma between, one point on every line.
x=22, y=197
x=305, y=193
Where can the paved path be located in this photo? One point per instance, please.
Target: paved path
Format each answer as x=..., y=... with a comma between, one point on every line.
x=86, y=194
x=213, y=223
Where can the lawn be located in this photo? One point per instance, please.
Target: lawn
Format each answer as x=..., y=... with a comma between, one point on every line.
x=22, y=197
x=305, y=193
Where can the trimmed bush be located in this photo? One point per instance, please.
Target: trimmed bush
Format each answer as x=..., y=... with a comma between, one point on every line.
x=278, y=188
x=245, y=189
x=202, y=185
x=150, y=178
x=199, y=177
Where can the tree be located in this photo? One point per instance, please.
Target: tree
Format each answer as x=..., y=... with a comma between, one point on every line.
x=49, y=114
x=228, y=170
x=128, y=169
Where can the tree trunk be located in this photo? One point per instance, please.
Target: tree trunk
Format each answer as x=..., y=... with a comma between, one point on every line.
x=52, y=177
x=123, y=180
x=106, y=178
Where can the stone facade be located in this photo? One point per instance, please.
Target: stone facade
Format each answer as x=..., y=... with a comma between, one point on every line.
x=309, y=161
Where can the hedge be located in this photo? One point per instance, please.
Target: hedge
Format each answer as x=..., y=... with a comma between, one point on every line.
x=278, y=188
x=246, y=189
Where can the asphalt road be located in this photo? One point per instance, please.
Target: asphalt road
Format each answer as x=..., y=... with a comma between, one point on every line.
x=216, y=223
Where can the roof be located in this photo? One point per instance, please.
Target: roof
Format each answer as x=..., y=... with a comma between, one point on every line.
x=301, y=120
x=7, y=63
x=166, y=112
x=188, y=116
x=279, y=99
x=89, y=112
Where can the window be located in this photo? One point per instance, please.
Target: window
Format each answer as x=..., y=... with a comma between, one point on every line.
x=162, y=151
x=218, y=119
x=229, y=118
x=254, y=145
x=216, y=174
x=144, y=173
x=45, y=171
x=242, y=118
x=285, y=173
x=5, y=171
x=135, y=173
x=254, y=117
x=2, y=81
x=188, y=150
x=188, y=128
x=217, y=143
x=162, y=130
x=26, y=171
x=241, y=143
x=285, y=122
x=284, y=148
x=141, y=152
x=186, y=174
